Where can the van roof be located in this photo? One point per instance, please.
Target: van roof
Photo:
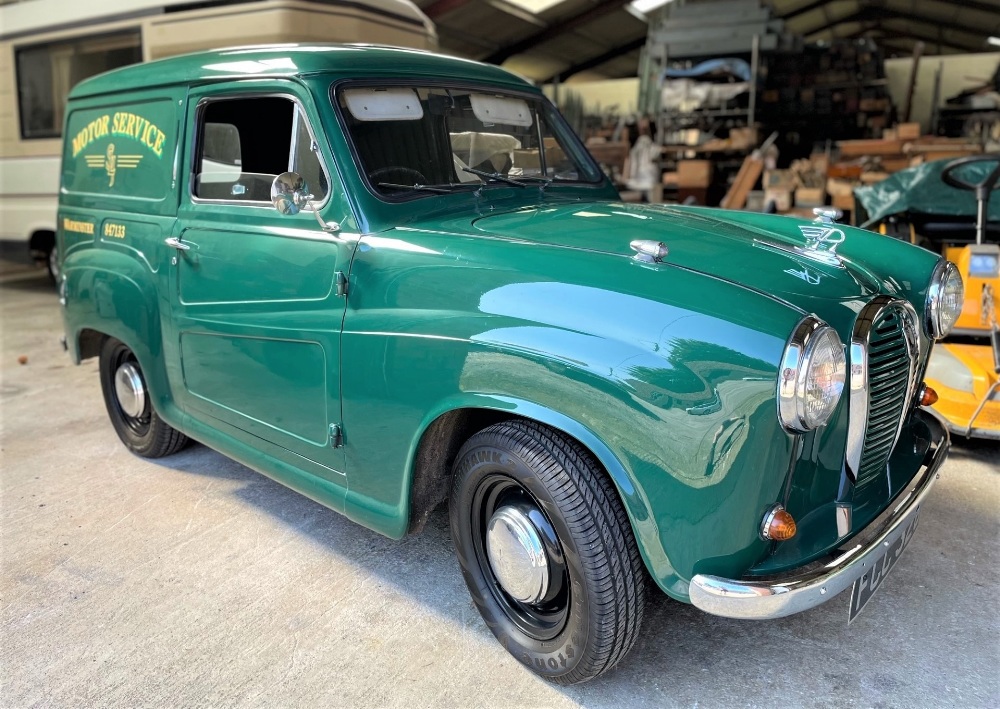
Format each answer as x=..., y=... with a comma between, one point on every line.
x=347, y=60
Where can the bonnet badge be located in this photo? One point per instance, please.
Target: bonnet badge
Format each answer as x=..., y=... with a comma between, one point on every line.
x=822, y=241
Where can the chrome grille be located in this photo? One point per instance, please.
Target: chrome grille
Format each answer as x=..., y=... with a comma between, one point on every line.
x=889, y=383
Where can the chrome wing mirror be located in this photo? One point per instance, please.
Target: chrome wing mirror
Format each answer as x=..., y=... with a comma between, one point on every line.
x=290, y=195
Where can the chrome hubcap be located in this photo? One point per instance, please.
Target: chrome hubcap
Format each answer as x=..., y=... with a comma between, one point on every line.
x=517, y=555
x=130, y=390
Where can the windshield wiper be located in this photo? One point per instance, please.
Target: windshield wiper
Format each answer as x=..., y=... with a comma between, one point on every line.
x=420, y=188
x=498, y=176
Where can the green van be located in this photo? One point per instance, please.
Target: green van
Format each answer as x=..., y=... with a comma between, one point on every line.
x=387, y=279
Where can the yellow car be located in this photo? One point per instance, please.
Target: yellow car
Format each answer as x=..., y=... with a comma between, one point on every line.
x=964, y=370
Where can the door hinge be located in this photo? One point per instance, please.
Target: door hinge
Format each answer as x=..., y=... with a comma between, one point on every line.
x=341, y=283
x=336, y=436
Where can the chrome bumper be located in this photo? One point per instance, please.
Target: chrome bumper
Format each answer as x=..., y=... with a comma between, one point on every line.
x=774, y=598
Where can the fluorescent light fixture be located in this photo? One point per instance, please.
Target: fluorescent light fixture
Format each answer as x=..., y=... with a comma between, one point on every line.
x=535, y=6
x=647, y=6
x=995, y=41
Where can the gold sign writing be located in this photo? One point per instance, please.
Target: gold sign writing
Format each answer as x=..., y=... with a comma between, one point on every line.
x=111, y=162
x=115, y=231
x=121, y=124
x=78, y=226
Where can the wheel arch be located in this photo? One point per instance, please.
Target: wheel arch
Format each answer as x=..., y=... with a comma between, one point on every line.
x=117, y=299
x=439, y=440
x=41, y=241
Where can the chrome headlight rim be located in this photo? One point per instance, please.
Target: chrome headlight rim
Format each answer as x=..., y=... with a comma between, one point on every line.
x=934, y=325
x=793, y=374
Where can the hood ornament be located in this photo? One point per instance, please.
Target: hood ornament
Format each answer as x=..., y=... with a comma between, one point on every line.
x=649, y=251
x=823, y=237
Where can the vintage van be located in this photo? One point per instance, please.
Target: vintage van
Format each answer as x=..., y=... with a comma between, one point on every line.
x=387, y=279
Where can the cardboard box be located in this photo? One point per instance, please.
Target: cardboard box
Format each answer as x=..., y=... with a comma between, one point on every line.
x=810, y=197
x=907, y=131
x=743, y=138
x=779, y=180
x=782, y=198
x=843, y=202
x=694, y=173
x=838, y=188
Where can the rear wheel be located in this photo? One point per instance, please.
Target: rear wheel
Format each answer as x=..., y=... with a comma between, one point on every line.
x=547, y=551
x=52, y=263
x=130, y=409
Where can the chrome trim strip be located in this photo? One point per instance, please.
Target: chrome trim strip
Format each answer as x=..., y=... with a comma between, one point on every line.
x=857, y=420
x=758, y=600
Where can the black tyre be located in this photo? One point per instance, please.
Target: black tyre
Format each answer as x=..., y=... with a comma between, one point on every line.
x=129, y=406
x=546, y=550
x=52, y=263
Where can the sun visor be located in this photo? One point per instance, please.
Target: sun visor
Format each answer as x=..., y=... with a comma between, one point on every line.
x=505, y=110
x=384, y=104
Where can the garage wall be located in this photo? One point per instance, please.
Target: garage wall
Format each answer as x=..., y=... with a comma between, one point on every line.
x=599, y=96
x=960, y=71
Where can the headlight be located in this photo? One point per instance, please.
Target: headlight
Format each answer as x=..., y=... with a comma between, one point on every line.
x=945, y=297
x=811, y=380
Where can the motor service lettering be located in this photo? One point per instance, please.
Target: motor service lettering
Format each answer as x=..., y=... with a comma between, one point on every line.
x=122, y=124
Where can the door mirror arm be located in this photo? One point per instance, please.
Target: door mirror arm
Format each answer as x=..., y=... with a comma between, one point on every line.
x=290, y=195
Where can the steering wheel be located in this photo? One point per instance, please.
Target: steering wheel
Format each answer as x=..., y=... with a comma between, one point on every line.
x=987, y=184
x=983, y=188
x=415, y=176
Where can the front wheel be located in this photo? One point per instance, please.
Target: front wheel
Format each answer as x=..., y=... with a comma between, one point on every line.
x=130, y=408
x=547, y=551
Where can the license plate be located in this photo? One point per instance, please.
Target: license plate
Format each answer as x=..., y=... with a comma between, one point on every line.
x=866, y=586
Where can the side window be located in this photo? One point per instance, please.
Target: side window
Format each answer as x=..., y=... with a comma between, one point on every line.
x=245, y=143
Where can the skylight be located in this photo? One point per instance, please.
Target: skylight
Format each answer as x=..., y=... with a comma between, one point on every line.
x=647, y=6
x=535, y=6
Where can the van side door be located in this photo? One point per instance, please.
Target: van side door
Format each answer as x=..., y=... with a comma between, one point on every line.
x=257, y=308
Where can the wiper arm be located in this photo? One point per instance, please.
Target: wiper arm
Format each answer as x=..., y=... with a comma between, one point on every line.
x=418, y=188
x=498, y=176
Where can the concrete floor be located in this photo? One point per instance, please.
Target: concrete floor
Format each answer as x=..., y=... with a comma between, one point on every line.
x=195, y=581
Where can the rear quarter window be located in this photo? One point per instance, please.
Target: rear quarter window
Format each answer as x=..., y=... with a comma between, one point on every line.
x=125, y=150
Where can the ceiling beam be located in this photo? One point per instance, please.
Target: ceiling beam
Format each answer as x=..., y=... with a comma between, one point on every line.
x=928, y=38
x=558, y=28
x=875, y=13
x=595, y=62
x=975, y=5
x=802, y=9
x=441, y=7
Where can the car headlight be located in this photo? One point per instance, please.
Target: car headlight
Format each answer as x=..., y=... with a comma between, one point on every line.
x=812, y=375
x=945, y=297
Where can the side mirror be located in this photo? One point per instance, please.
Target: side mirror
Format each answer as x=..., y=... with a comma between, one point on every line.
x=288, y=193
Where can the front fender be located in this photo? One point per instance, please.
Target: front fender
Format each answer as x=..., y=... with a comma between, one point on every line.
x=657, y=379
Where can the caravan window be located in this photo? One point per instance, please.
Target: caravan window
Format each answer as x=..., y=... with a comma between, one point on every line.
x=47, y=72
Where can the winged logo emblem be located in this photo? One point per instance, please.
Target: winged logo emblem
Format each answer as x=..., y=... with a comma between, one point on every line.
x=110, y=162
x=822, y=241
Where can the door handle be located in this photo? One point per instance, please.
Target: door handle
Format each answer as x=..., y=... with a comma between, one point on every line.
x=176, y=243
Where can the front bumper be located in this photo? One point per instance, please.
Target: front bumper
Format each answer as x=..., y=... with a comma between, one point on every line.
x=775, y=598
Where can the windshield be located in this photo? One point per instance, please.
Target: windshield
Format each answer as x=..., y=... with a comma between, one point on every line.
x=431, y=140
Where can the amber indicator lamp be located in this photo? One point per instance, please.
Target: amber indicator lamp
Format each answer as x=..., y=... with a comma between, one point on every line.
x=778, y=525
x=928, y=397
